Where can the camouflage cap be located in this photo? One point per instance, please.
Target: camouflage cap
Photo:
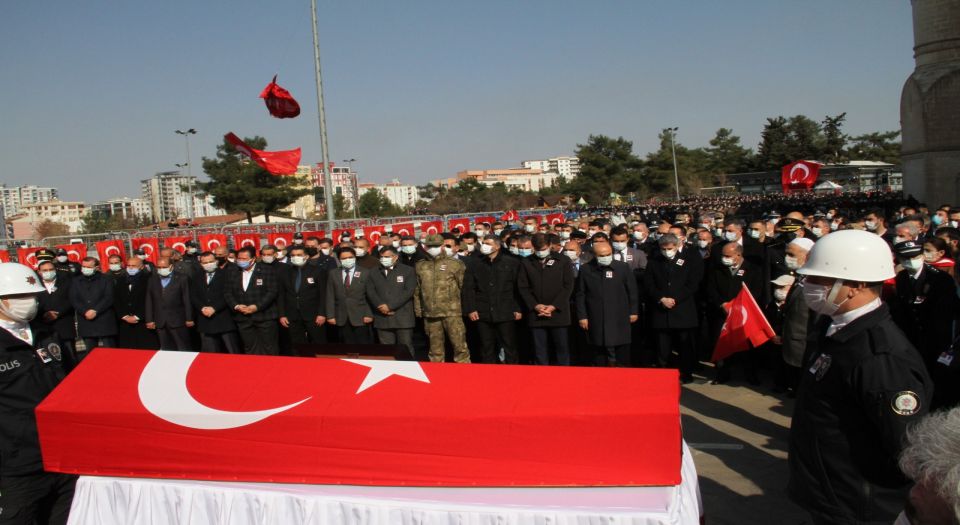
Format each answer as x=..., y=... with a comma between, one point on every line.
x=433, y=240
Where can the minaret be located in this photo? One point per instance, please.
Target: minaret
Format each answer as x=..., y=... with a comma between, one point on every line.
x=930, y=105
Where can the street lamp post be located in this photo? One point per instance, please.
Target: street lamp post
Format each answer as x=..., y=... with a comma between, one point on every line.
x=673, y=150
x=186, y=137
x=355, y=187
x=321, y=115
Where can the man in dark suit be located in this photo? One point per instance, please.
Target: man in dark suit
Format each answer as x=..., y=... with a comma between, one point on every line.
x=130, y=303
x=91, y=294
x=303, y=299
x=635, y=258
x=55, y=312
x=490, y=300
x=670, y=284
x=546, y=284
x=608, y=302
x=218, y=333
x=168, y=307
x=723, y=284
x=390, y=291
x=410, y=252
x=252, y=296
x=347, y=306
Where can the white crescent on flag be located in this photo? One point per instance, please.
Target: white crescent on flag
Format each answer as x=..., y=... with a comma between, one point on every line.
x=74, y=253
x=246, y=242
x=281, y=243
x=802, y=177
x=432, y=230
x=404, y=231
x=163, y=392
x=107, y=252
x=147, y=248
x=375, y=236
x=213, y=243
x=181, y=245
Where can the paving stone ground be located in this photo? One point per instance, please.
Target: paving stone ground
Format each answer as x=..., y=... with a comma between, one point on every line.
x=738, y=434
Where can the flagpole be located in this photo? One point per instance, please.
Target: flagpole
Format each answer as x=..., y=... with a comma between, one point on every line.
x=327, y=181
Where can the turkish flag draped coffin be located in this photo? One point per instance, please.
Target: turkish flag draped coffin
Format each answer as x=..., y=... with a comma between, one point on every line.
x=211, y=241
x=177, y=243
x=150, y=245
x=340, y=421
x=107, y=248
x=75, y=252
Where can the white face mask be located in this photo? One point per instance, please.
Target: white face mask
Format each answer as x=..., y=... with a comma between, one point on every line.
x=448, y=250
x=638, y=235
x=703, y=244
x=209, y=267
x=529, y=228
x=514, y=250
x=834, y=226
x=164, y=272
x=870, y=225
x=409, y=249
x=571, y=254
x=116, y=267
x=298, y=260
x=434, y=251
x=619, y=246
x=730, y=236
x=727, y=261
x=395, y=244
x=61, y=258
x=268, y=259
x=49, y=276
x=912, y=265
x=755, y=234
x=386, y=262
x=820, y=297
x=606, y=260
x=486, y=249
x=497, y=232
x=325, y=251
x=669, y=254
x=20, y=309
x=564, y=235
x=348, y=263
x=818, y=231
x=791, y=262
x=471, y=247
x=88, y=271
x=543, y=254
x=780, y=294
x=360, y=252
x=481, y=233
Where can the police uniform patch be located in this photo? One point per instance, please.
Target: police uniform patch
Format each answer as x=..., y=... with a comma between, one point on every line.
x=680, y=262
x=44, y=355
x=54, y=350
x=906, y=403
x=550, y=262
x=820, y=366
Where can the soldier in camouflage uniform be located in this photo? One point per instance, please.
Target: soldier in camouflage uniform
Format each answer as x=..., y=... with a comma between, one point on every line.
x=437, y=300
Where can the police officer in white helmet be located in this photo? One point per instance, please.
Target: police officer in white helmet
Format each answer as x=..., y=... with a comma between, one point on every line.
x=30, y=368
x=863, y=384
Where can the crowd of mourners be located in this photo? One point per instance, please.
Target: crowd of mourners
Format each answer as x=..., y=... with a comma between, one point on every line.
x=627, y=286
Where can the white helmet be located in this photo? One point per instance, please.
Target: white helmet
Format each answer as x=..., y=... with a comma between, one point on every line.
x=16, y=278
x=852, y=255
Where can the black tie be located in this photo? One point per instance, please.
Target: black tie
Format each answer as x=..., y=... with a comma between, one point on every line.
x=296, y=284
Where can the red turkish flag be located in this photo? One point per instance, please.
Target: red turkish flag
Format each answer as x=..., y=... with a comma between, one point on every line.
x=28, y=256
x=4, y=256
x=799, y=175
x=75, y=252
x=431, y=227
x=403, y=229
x=183, y=415
x=555, y=218
x=212, y=241
x=276, y=162
x=746, y=327
x=177, y=243
x=107, y=248
x=150, y=246
x=481, y=220
x=511, y=215
x=280, y=240
x=373, y=233
x=280, y=103
x=462, y=224
x=246, y=239
x=319, y=234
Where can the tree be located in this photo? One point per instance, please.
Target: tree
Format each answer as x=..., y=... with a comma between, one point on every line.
x=100, y=222
x=804, y=139
x=726, y=155
x=49, y=228
x=879, y=146
x=373, y=203
x=340, y=207
x=608, y=165
x=835, y=142
x=772, y=151
x=240, y=186
x=691, y=166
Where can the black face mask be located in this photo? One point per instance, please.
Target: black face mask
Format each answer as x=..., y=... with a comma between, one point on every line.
x=311, y=251
x=221, y=260
x=786, y=237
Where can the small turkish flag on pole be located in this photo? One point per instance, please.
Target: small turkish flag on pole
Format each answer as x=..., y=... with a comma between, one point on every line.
x=280, y=103
x=745, y=327
x=276, y=162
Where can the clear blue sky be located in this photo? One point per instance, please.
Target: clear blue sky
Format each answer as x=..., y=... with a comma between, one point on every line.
x=92, y=91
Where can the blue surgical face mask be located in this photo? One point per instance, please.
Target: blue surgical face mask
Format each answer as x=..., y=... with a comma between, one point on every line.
x=525, y=252
x=133, y=271
x=243, y=264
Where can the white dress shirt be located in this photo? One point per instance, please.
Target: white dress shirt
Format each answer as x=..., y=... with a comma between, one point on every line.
x=19, y=330
x=841, y=320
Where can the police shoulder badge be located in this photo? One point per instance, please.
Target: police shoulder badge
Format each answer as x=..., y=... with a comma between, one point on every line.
x=905, y=403
x=54, y=350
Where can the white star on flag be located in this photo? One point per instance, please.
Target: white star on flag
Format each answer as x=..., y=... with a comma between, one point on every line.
x=380, y=370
